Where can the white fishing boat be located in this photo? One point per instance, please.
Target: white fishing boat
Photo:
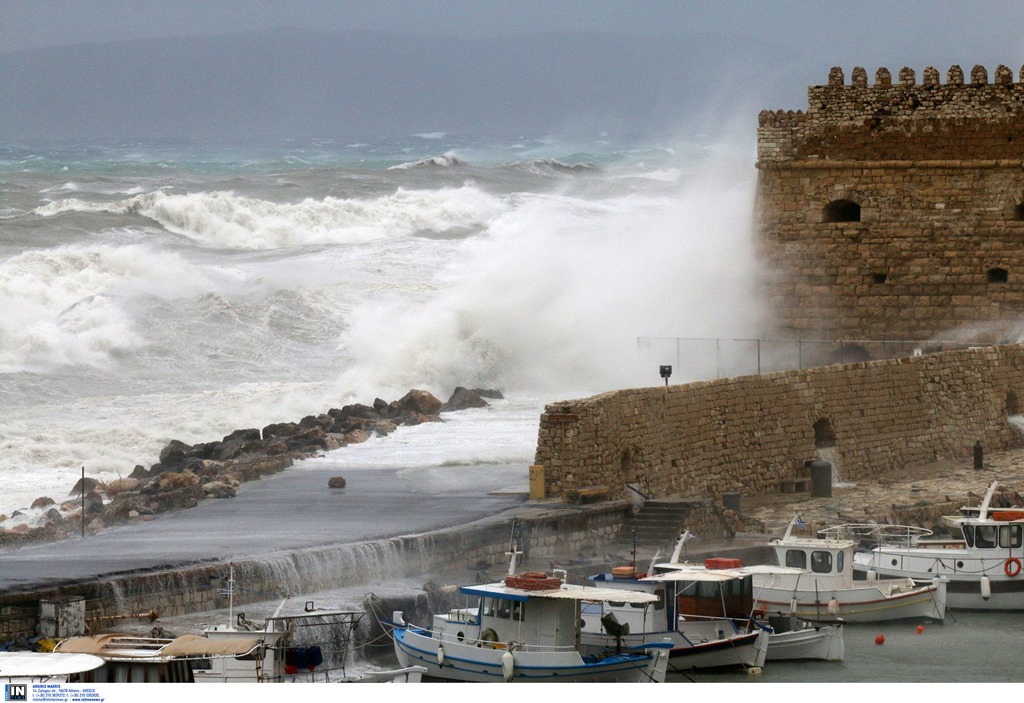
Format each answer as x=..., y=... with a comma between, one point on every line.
x=788, y=637
x=527, y=629
x=814, y=581
x=44, y=667
x=705, y=615
x=982, y=562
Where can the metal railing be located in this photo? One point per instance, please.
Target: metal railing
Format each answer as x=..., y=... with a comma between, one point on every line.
x=725, y=358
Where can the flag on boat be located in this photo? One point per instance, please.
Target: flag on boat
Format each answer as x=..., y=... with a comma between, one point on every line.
x=799, y=522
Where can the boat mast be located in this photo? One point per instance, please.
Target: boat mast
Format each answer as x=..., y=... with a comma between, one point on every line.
x=513, y=551
x=983, y=512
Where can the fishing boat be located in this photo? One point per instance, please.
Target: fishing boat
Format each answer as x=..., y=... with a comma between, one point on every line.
x=282, y=648
x=981, y=561
x=814, y=581
x=704, y=614
x=526, y=628
x=44, y=667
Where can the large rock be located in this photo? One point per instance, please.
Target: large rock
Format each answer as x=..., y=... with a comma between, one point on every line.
x=336, y=482
x=90, y=485
x=174, y=453
x=218, y=489
x=462, y=399
x=422, y=402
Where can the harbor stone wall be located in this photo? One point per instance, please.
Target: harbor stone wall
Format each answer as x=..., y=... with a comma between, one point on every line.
x=895, y=210
x=745, y=434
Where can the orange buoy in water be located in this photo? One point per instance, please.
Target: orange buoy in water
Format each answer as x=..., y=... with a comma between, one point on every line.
x=920, y=629
x=880, y=639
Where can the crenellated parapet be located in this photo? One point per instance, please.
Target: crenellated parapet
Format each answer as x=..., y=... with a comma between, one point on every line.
x=972, y=116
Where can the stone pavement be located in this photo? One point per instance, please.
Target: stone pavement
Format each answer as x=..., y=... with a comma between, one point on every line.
x=916, y=495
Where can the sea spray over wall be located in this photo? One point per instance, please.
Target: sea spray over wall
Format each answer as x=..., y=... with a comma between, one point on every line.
x=551, y=298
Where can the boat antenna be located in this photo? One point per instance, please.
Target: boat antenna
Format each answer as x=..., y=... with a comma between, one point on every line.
x=230, y=594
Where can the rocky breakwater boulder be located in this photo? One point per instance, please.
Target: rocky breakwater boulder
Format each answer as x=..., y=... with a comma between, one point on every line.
x=189, y=473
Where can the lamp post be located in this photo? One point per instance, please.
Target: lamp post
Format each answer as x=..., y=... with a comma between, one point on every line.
x=666, y=371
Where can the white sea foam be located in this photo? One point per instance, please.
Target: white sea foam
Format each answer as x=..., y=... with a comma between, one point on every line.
x=222, y=219
x=73, y=305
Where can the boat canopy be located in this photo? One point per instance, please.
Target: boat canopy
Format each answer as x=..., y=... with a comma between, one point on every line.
x=692, y=574
x=130, y=648
x=566, y=592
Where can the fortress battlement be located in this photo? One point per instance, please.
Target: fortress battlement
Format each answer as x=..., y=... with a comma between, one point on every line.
x=889, y=120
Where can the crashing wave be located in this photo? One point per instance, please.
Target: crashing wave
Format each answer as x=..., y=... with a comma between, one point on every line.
x=224, y=219
x=547, y=166
x=445, y=161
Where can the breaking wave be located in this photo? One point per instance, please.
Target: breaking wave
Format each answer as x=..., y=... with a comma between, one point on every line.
x=227, y=220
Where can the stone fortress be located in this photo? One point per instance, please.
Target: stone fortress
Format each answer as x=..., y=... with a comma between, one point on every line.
x=886, y=212
x=896, y=210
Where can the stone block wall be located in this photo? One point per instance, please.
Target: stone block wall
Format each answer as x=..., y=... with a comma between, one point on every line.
x=896, y=210
x=745, y=434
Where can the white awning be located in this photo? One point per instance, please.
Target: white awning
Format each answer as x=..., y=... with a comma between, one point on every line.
x=566, y=592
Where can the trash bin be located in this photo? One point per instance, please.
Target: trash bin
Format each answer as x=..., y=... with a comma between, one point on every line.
x=821, y=479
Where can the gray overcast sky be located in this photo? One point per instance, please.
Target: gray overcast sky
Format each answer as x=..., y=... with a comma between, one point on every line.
x=138, y=68
x=883, y=27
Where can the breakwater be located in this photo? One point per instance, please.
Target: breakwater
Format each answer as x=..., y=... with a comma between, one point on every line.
x=745, y=434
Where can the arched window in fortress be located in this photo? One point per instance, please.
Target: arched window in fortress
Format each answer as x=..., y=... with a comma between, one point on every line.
x=997, y=275
x=1012, y=404
x=841, y=211
x=626, y=466
x=824, y=434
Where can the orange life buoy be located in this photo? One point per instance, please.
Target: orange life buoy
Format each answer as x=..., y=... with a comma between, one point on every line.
x=533, y=575
x=1012, y=567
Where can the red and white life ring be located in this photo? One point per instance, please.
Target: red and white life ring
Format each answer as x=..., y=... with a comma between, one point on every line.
x=1012, y=567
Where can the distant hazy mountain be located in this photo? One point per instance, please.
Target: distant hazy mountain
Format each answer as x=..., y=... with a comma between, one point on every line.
x=296, y=83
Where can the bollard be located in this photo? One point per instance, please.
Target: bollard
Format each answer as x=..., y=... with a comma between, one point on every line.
x=821, y=479
x=979, y=461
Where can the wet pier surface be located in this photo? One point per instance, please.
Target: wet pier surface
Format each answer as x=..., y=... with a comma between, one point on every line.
x=295, y=509
x=290, y=510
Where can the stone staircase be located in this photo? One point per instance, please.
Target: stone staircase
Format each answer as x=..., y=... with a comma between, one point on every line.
x=656, y=525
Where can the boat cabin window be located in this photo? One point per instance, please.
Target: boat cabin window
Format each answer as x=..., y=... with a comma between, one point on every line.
x=821, y=562
x=985, y=536
x=1010, y=536
x=839, y=563
x=796, y=558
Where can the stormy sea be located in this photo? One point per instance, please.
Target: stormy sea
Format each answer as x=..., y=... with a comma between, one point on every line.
x=159, y=291
x=180, y=291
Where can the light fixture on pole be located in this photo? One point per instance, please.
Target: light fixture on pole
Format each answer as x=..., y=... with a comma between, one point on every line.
x=666, y=371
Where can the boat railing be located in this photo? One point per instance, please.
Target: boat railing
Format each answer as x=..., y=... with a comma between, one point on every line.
x=869, y=535
x=515, y=645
